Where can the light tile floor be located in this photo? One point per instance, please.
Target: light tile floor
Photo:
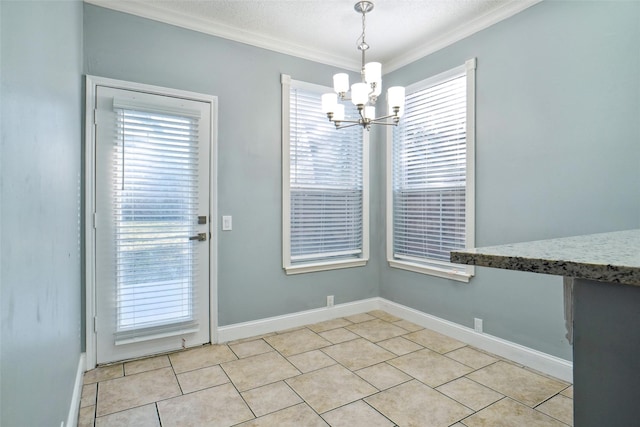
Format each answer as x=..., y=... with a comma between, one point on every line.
x=371, y=369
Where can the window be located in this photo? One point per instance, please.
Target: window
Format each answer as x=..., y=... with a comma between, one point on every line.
x=430, y=181
x=325, y=185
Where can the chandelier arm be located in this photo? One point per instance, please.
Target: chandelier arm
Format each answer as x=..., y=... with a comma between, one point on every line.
x=384, y=117
x=349, y=126
x=373, y=122
x=348, y=121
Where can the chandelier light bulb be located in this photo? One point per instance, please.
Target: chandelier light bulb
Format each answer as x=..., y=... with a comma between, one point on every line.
x=370, y=112
x=329, y=102
x=338, y=115
x=373, y=72
x=359, y=93
x=395, y=98
x=341, y=82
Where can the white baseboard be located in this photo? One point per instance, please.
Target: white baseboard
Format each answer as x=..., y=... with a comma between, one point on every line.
x=72, y=418
x=534, y=359
x=279, y=323
x=545, y=363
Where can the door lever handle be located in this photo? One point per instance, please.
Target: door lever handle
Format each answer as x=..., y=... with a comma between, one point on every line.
x=200, y=237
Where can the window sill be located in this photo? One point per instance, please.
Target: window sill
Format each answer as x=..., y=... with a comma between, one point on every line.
x=323, y=266
x=458, y=275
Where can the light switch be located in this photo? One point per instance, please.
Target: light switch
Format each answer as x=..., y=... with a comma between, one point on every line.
x=227, y=223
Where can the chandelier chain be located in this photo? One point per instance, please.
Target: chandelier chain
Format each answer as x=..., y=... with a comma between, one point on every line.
x=361, y=43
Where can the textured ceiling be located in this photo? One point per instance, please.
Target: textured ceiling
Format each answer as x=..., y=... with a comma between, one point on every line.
x=398, y=31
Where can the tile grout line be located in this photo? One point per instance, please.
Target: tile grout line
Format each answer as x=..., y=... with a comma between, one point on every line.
x=549, y=415
x=158, y=411
x=239, y=393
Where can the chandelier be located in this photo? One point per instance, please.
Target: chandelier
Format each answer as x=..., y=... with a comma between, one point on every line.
x=364, y=94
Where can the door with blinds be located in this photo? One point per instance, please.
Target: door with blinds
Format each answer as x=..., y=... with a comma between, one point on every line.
x=152, y=219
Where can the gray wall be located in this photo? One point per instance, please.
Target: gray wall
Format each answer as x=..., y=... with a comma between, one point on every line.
x=251, y=282
x=40, y=215
x=557, y=154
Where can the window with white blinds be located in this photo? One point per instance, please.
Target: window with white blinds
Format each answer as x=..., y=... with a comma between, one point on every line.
x=155, y=193
x=431, y=190
x=324, y=187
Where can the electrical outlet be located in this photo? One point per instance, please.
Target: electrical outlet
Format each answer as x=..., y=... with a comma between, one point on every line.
x=477, y=325
x=329, y=300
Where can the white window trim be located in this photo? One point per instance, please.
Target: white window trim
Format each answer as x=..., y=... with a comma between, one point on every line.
x=286, y=192
x=458, y=272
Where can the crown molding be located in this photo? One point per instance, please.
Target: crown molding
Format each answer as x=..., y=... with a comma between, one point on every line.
x=153, y=11
x=459, y=33
x=156, y=13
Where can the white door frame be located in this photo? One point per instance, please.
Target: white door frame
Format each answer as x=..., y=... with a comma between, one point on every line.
x=90, y=204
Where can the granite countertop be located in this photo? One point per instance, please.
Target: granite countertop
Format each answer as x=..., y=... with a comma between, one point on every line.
x=607, y=257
